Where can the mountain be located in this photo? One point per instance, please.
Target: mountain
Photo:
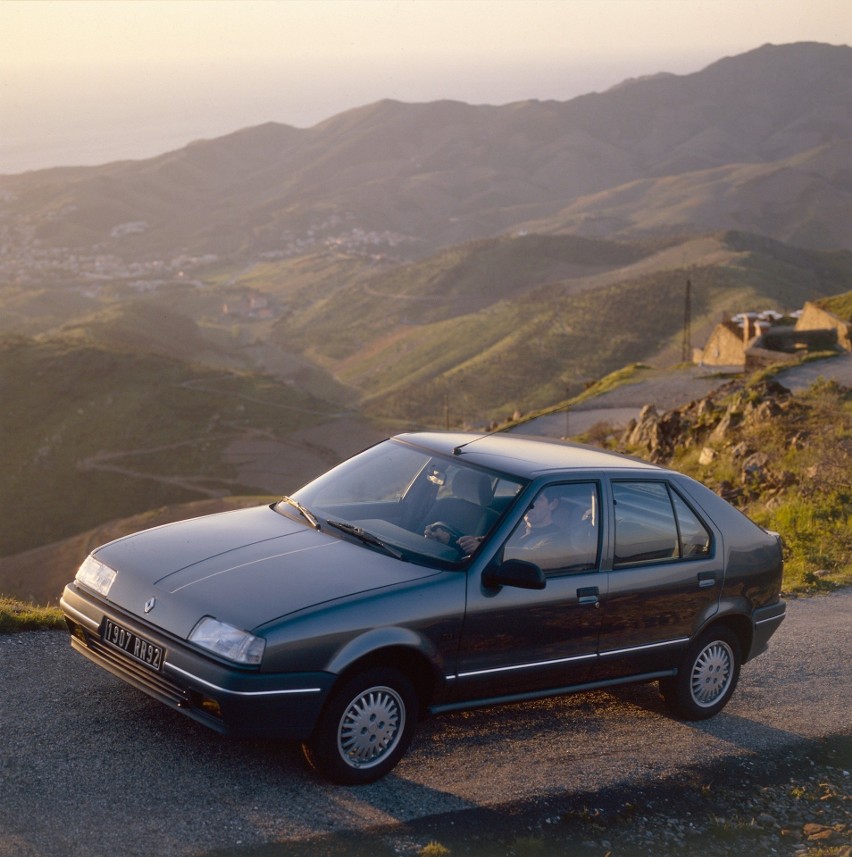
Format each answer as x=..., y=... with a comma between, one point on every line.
x=189, y=326
x=805, y=199
x=411, y=178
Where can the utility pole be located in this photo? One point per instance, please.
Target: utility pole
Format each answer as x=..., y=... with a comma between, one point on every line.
x=686, y=341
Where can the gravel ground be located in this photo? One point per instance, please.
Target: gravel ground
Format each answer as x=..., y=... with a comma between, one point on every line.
x=89, y=767
x=798, y=804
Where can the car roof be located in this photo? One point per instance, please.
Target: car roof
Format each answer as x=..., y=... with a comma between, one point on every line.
x=523, y=455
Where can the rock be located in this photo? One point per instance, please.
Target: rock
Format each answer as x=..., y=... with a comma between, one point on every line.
x=728, y=421
x=741, y=450
x=645, y=428
x=773, y=388
x=707, y=456
x=762, y=412
x=754, y=468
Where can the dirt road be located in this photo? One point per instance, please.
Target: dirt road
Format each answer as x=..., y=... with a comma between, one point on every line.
x=89, y=766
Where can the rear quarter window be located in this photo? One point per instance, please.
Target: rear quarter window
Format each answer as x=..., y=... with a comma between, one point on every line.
x=654, y=524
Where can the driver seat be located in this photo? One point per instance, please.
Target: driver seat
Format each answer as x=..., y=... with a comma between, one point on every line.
x=467, y=508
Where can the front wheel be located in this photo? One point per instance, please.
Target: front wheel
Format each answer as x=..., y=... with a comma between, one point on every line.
x=706, y=678
x=365, y=729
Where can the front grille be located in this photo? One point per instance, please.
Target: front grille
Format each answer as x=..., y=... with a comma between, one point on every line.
x=154, y=683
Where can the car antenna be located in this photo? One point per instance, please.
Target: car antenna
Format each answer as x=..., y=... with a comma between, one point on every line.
x=457, y=450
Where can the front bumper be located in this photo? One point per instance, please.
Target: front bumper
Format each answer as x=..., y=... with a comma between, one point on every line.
x=229, y=699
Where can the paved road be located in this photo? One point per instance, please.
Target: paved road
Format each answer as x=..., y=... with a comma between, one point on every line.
x=91, y=767
x=833, y=369
x=668, y=389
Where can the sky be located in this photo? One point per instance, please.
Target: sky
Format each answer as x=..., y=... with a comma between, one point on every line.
x=91, y=81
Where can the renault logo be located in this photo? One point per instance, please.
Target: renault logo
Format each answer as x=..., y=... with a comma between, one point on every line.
x=149, y=604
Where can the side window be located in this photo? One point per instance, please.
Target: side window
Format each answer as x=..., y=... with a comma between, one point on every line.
x=645, y=528
x=653, y=523
x=559, y=530
x=694, y=537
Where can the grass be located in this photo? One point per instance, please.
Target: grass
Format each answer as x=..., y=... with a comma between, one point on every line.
x=433, y=849
x=839, y=305
x=16, y=616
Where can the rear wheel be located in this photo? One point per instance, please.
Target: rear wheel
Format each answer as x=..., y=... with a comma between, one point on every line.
x=707, y=676
x=366, y=727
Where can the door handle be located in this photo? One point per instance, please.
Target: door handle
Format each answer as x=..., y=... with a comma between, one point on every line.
x=706, y=579
x=588, y=595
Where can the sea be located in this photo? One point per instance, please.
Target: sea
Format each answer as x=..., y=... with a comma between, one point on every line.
x=57, y=116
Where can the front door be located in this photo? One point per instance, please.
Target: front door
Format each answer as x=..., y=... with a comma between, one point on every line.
x=517, y=641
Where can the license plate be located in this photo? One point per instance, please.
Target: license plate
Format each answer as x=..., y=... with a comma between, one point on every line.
x=132, y=644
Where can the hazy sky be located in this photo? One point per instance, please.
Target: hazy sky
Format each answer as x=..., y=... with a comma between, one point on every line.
x=88, y=81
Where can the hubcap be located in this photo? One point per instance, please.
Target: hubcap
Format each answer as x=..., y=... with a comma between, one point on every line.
x=711, y=674
x=371, y=727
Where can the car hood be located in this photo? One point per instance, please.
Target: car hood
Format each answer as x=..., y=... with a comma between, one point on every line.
x=246, y=568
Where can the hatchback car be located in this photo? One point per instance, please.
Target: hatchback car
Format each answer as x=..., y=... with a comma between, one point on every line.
x=430, y=573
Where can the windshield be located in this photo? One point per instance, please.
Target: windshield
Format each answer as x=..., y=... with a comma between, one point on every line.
x=408, y=502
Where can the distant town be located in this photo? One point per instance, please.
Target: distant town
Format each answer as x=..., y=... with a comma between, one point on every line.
x=26, y=259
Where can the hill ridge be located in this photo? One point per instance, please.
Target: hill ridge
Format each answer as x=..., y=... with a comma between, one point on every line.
x=441, y=172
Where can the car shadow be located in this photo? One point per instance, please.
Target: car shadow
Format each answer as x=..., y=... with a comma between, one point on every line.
x=596, y=741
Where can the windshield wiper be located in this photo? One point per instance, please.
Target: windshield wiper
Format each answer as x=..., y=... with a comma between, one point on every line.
x=364, y=536
x=305, y=512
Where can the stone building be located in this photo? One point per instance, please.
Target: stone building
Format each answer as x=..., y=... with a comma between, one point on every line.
x=729, y=342
x=814, y=317
x=750, y=340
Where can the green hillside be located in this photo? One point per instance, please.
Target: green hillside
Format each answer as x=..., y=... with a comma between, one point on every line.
x=142, y=326
x=490, y=327
x=91, y=434
x=462, y=280
x=839, y=305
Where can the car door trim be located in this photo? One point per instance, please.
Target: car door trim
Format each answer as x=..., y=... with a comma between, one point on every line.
x=528, y=666
x=630, y=649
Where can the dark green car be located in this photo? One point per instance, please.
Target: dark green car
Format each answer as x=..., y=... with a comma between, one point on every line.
x=430, y=573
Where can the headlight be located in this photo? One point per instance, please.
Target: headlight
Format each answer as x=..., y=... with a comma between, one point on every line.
x=227, y=641
x=95, y=575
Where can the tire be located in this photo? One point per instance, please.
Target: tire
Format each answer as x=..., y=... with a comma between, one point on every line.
x=365, y=728
x=707, y=676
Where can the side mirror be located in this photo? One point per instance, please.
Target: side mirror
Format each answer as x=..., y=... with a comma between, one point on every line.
x=515, y=572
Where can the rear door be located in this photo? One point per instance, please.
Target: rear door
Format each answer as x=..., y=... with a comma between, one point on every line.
x=665, y=579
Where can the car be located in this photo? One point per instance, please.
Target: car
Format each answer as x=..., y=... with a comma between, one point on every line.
x=433, y=572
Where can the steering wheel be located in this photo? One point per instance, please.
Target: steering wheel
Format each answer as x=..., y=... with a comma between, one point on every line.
x=452, y=533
